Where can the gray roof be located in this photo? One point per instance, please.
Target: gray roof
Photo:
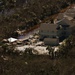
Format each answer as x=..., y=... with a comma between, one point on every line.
x=64, y=21
x=48, y=27
x=72, y=10
x=70, y=14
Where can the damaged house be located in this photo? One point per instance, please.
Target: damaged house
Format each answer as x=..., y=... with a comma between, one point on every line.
x=64, y=25
x=53, y=33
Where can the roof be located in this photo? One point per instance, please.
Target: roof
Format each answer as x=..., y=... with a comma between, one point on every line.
x=72, y=10
x=70, y=14
x=64, y=21
x=68, y=17
x=48, y=27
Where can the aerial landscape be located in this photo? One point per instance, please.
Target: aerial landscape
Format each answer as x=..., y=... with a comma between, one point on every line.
x=37, y=37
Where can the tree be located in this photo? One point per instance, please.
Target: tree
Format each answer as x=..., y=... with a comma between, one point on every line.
x=51, y=51
x=28, y=51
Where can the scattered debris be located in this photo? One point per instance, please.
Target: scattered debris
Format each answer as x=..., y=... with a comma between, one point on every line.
x=26, y=63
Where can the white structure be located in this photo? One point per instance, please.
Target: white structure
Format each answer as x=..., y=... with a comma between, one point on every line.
x=12, y=39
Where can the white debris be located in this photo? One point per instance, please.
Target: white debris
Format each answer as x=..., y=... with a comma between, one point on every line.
x=39, y=43
x=56, y=49
x=6, y=58
x=36, y=36
x=60, y=43
x=31, y=36
x=39, y=50
x=63, y=42
x=23, y=48
x=33, y=40
x=26, y=63
x=12, y=39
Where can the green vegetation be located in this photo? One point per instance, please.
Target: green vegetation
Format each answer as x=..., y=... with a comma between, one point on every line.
x=67, y=50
